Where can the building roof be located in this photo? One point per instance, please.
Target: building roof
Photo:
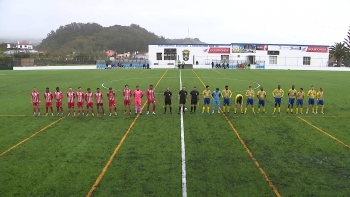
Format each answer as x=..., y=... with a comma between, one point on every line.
x=244, y=44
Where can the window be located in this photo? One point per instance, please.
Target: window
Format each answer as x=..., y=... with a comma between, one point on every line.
x=159, y=56
x=273, y=60
x=169, y=54
x=306, y=61
x=273, y=52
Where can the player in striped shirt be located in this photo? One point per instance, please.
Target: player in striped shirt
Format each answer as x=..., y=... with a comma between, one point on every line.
x=127, y=98
x=89, y=102
x=80, y=98
x=48, y=101
x=71, y=97
x=151, y=99
x=99, y=101
x=35, y=100
x=58, y=97
x=111, y=101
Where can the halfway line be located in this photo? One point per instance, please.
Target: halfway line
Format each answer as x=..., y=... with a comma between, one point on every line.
x=329, y=135
x=34, y=134
x=105, y=168
x=247, y=149
x=183, y=150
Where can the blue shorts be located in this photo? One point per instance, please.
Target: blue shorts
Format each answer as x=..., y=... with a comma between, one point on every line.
x=311, y=101
x=239, y=102
x=300, y=102
x=291, y=101
x=226, y=101
x=320, y=102
x=206, y=101
x=216, y=102
x=278, y=100
x=250, y=101
x=262, y=103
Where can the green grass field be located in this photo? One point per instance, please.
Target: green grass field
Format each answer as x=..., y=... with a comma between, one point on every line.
x=132, y=155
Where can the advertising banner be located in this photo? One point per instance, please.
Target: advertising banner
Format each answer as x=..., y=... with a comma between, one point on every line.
x=218, y=50
x=243, y=48
x=261, y=47
x=317, y=49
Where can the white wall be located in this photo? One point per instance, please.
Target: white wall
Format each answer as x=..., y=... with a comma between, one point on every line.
x=315, y=68
x=288, y=55
x=55, y=68
x=204, y=54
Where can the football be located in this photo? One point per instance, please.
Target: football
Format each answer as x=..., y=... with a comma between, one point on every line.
x=185, y=108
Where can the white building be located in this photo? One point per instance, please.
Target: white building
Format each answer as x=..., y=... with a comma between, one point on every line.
x=21, y=46
x=270, y=55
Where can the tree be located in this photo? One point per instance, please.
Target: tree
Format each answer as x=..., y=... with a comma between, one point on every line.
x=347, y=42
x=339, y=51
x=347, y=39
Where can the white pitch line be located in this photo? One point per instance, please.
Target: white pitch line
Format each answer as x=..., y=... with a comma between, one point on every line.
x=183, y=150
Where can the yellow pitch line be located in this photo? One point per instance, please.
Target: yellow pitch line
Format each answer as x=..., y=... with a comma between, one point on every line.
x=246, y=148
x=329, y=135
x=105, y=168
x=216, y=71
x=143, y=71
x=34, y=134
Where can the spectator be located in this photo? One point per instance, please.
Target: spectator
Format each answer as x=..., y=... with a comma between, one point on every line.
x=144, y=66
x=212, y=65
x=147, y=65
x=227, y=65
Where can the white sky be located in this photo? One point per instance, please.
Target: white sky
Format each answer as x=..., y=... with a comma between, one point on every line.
x=217, y=22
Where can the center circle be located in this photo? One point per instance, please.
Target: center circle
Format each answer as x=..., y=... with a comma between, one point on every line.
x=229, y=79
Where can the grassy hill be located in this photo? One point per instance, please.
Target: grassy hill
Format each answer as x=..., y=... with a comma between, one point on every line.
x=92, y=37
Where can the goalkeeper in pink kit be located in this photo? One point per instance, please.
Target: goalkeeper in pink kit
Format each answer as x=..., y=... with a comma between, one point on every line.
x=138, y=94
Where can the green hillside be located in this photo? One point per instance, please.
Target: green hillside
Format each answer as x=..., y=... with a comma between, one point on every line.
x=92, y=37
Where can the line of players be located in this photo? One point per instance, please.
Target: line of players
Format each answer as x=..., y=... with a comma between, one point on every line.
x=278, y=93
x=90, y=98
x=294, y=96
x=315, y=99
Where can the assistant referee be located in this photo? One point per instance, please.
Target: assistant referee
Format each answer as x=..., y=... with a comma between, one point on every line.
x=168, y=97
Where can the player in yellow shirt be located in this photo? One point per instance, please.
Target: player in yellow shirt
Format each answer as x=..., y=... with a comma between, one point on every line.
x=239, y=101
x=278, y=94
x=311, y=94
x=292, y=93
x=206, y=99
x=227, y=94
x=261, y=96
x=320, y=100
x=300, y=101
x=250, y=100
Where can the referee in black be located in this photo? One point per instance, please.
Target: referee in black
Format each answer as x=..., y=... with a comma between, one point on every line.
x=168, y=97
x=183, y=98
x=194, y=99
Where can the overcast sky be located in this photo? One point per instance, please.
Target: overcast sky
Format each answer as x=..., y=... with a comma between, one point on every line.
x=217, y=22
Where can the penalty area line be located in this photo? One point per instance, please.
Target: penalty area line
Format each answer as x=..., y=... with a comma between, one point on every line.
x=329, y=135
x=34, y=134
x=273, y=187
x=105, y=168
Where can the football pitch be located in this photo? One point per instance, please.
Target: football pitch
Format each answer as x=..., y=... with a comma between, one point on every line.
x=170, y=154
